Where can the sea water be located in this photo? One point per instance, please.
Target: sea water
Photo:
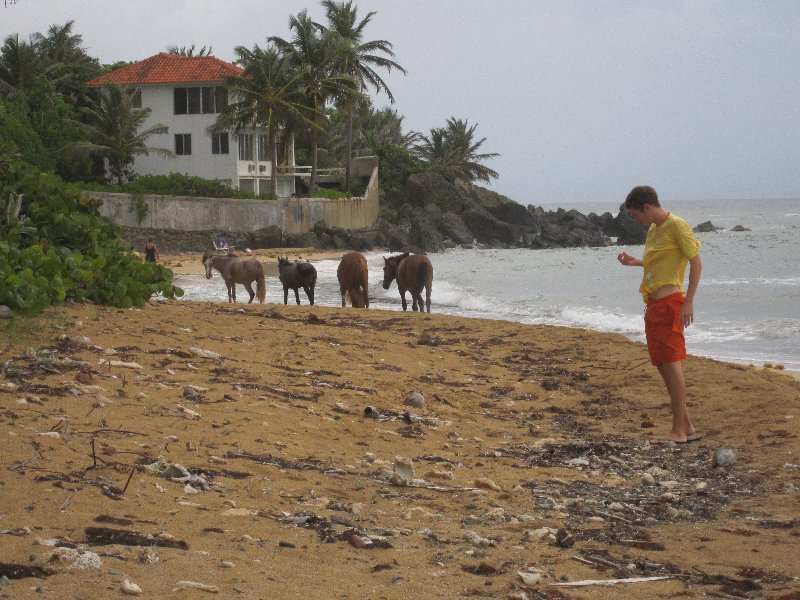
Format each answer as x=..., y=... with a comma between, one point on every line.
x=747, y=307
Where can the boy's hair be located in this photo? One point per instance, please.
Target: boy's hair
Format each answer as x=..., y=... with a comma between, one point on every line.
x=641, y=195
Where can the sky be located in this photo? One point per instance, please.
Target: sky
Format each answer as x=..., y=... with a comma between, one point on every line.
x=582, y=99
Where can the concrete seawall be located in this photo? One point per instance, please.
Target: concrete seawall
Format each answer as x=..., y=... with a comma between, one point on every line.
x=292, y=215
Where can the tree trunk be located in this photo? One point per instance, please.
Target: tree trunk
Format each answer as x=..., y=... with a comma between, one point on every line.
x=312, y=184
x=273, y=159
x=349, y=157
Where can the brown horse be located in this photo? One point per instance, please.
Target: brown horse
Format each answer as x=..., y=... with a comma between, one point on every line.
x=294, y=275
x=237, y=269
x=353, y=276
x=413, y=272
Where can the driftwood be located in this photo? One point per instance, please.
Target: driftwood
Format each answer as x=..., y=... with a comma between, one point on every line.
x=101, y=536
x=610, y=581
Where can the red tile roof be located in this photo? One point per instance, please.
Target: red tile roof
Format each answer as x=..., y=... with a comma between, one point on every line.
x=170, y=68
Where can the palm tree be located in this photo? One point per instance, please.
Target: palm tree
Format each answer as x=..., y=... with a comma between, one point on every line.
x=184, y=51
x=266, y=93
x=311, y=54
x=453, y=152
x=68, y=64
x=114, y=130
x=357, y=59
x=20, y=65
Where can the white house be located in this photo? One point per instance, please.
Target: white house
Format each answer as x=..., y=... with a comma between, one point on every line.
x=186, y=94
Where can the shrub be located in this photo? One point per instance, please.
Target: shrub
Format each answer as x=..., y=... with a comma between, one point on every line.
x=59, y=247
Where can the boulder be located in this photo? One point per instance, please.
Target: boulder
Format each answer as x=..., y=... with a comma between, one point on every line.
x=706, y=227
x=740, y=228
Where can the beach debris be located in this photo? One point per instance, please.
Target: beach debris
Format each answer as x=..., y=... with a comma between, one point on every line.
x=564, y=538
x=130, y=588
x=724, y=457
x=196, y=586
x=104, y=536
x=610, y=581
x=178, y=473
x=415, y=399
x=203, y=353
x=371, y=412
x=64, y=559
x=648, y=422
x=487, y=484
x=190, y=414
x=477, y=540
x=529, y=578
x=119, y=363
x=403, y=471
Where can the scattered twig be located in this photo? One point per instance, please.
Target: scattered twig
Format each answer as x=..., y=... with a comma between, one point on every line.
x=610, y=581
x=133, y=470
x=637, y=365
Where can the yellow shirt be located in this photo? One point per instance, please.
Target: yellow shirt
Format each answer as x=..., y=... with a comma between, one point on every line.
x=668, y=248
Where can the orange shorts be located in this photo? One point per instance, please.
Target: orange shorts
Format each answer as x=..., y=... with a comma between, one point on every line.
x=664, y=330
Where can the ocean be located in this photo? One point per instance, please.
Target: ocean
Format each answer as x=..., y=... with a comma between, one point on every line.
x=747, y=308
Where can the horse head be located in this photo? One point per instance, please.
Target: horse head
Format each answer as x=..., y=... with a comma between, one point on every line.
x=283, y=262
x=208, y=259
x=390, y=269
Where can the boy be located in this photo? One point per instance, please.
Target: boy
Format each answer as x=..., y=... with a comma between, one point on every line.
x=670, y=245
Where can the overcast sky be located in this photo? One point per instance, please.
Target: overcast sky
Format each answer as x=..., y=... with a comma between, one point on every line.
x=582, y=99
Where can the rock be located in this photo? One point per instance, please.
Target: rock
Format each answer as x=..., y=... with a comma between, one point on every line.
x=487, y=484
x=648, y=479
x=415, y=399
x=476, y=540
x=64, y=559
x=202, y=352
x=564, y=538
x=724, y=457
x=403, y=470
x=130, y=588
x=529, y=578
x=740, y=228
x=706, y=227
x=5, y=312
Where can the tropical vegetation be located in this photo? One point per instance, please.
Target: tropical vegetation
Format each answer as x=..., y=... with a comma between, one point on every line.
x=311, y=90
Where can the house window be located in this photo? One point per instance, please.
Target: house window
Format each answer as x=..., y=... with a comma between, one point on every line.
x=215, y=99
x=136, y=98
x=187, y=101
x=245, y=146
x=219, y=143
x=263, y=148
x=183, y=143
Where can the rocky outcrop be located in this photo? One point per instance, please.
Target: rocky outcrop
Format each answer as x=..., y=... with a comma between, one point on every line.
x=706, y=227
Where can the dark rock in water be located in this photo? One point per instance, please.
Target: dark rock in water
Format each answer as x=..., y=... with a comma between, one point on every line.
x=627, y=231
x=706, y=227
x=740, y=228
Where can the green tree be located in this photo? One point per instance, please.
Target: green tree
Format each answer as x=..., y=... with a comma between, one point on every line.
x=20, y=65
x=357, y=59
x=453, y=152
x=266, y=94
x=113, y=126
x=311, y=53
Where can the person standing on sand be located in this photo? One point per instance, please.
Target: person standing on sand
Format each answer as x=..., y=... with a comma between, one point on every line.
x=151, y=251
x=670, y=245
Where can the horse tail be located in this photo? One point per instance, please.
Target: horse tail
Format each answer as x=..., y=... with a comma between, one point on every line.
x=261, y=284
x=422, y=276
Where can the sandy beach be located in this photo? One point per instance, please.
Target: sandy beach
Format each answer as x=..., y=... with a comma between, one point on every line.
x=270, y=451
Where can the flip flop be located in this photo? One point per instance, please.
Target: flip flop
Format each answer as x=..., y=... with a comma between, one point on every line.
x=665, y=439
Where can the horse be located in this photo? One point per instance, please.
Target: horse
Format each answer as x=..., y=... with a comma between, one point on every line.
x=237, y=269
x=353, y=276
x=296, y=275
x=413, y=273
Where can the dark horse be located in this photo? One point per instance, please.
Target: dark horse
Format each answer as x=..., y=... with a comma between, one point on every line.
x=353, y=276
x=237, y=269
x=296, y=275
x=413, y=272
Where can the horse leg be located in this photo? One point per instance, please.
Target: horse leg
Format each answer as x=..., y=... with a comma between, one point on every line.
x=344, y=297
x=231, y=292
x=297, y=295
x=416, y=300
x=427, y=298
x=309, y=290
x=285, y=294
x=403, y=298
x=249, y=288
